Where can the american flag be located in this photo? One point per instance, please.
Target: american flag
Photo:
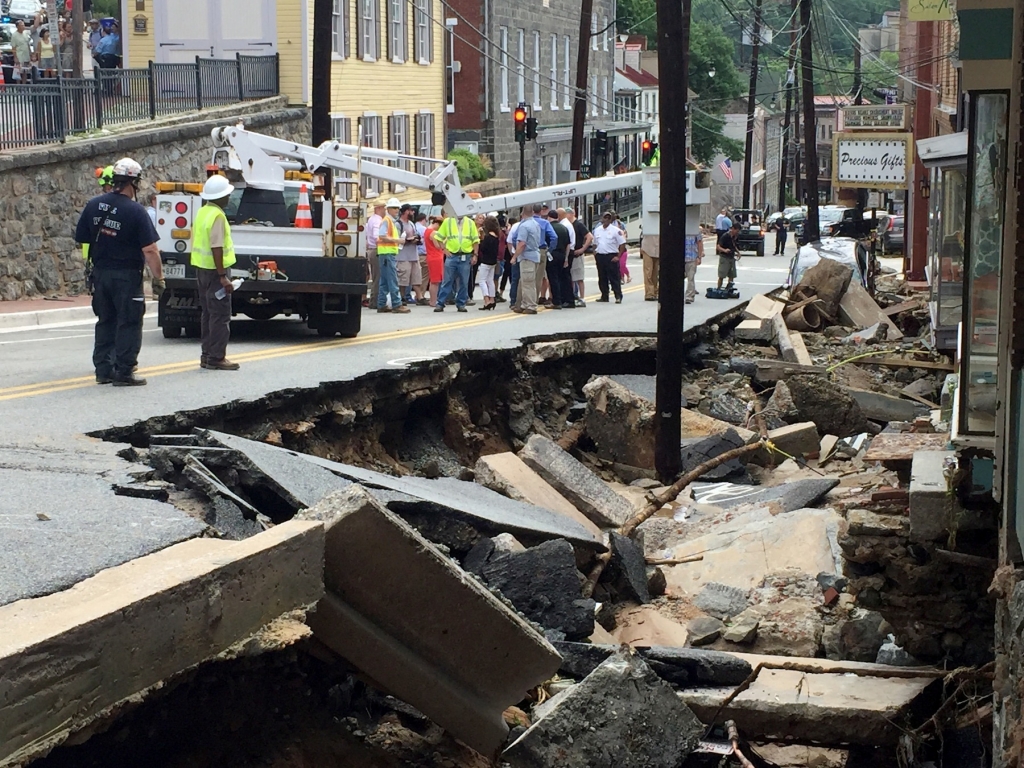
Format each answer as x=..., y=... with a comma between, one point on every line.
x=726, y=166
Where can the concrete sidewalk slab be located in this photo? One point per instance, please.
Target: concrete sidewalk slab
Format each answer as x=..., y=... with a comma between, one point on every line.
x=407, y=616
x=42, y=313
x=67, y=657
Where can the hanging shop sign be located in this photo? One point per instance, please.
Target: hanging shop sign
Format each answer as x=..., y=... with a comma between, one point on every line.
x=874, y=117
x=872, y=161
x=929, y=10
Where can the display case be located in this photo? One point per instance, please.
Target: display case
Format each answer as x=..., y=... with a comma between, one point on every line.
x=983, y=247
x=946, y=230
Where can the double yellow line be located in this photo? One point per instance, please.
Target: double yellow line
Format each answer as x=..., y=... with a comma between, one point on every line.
x=81, y=382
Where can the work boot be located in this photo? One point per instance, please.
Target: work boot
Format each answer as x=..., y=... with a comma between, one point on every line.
x=222, y=365
x=383, y=309
x=131, y=380
x=103, y=379
x=463, y=309
x=401, y=310
x=439, y=308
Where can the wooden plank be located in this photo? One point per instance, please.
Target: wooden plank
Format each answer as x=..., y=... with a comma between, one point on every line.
x=770, y=371
x=906, y=306
x=784, y=341
x=803, y=357
x=921, y=400
x=900, y=362
x=901, y=446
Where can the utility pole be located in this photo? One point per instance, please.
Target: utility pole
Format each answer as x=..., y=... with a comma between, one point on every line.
x=323, y=11
x=77, y=25
x=748, y=154
x=579, y=107
x=786, y=142
x=673, y=56
x=857, y=87
x=812, y=229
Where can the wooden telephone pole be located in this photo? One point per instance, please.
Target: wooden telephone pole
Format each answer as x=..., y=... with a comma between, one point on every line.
x=579, y=107
x=323, y=11
x=748, y=153
x=674, y=57
x=787, y=120
x=812, y=229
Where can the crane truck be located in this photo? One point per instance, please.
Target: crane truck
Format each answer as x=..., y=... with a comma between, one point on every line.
x=319, y=273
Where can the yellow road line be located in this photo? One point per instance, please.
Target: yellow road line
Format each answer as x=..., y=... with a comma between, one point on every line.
x=165, y=369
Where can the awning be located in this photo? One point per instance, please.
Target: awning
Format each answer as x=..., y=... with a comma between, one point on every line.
x=551, y=134
x=943, y=150
x=756, y=176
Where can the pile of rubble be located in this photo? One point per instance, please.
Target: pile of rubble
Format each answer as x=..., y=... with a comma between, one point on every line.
x=794, y=598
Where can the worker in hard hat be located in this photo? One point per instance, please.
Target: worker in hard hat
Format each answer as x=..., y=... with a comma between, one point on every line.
x=213, y=253
x=390, y=238
x=105, y=178
x=123, y=242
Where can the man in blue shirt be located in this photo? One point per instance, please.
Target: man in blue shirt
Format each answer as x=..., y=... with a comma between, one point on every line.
x=529, y=257
x=548, y=241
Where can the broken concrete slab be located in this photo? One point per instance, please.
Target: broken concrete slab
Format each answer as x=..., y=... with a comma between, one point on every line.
x=622, y=714
x=878, y=406
x=466, y=505
x=704, y=630
x=68, y=656
x=771, y=371
x=509, y=475
x=873, y=334
x=627, y=569
x=742, y=629
x=680, y=666
x=755, y=330
x=791, y=440
x=784, y=341
x=800, y=353
x=833, y=411
x=935, y=513
x=421, y=628
x=829, y=279
x=787, y=497
x=486, y=550
x=544, y=584
x=645, y=626
x=620, y=422
x=743, y=550
x=761, y=307
x=790, y=627
x=859, y=310
x=721, y=600
x=698, y=450
x=822, y=707
x=577, y=483
x=900, y=447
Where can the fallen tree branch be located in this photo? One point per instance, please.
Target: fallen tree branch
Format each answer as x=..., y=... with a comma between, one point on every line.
x=668, y=495
x=734, y=737
x=676, y=560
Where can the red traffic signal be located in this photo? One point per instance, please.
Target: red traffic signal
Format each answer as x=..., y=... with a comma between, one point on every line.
x=519, y=116
x=647, y=151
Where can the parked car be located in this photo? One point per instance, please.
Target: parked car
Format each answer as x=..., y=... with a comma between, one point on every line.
x=24, y=10
x=7, y=51
x=751, y=237
x=892, y=236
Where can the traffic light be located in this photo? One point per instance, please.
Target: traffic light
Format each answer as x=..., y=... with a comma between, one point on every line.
x=520, y=120
x=648, y=148
x=601, y=143
x=531, y=128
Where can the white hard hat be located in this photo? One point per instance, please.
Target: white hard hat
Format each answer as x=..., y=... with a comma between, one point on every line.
x=216, y=187
x=127, y=168
x=394, y=203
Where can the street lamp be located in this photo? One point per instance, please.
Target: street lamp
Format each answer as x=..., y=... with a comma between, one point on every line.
x=711, y=72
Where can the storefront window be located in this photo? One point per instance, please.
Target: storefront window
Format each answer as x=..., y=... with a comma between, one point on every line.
x=949, y=213
x=987, y=174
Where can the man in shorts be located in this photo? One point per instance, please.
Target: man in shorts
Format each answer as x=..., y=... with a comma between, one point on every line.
x=728, y=255
x=584, y=238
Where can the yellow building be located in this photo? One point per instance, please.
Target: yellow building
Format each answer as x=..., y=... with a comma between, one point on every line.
x=388, y=58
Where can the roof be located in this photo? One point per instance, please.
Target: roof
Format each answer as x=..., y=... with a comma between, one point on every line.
x=638, y=76
x=832, y=101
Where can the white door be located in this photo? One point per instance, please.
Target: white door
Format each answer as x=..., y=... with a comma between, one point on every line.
x=215, y=29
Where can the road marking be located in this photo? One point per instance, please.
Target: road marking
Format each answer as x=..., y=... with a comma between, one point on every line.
x=63, y=338
x=81, y=382
x=401, y=362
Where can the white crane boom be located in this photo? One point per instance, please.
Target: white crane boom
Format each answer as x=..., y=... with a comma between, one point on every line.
x=262, y=161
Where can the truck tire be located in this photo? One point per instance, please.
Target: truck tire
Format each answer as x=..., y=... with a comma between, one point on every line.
x=171, y=331
x=760, y=249
x=193, y=331
x=265, y=312
x=345, y=325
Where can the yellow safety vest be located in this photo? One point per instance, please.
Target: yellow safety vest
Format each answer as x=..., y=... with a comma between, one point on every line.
x=462, y=239
x=202, y=252
x=389, y=249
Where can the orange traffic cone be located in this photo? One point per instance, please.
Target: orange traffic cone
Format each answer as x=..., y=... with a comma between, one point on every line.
x=303, y=215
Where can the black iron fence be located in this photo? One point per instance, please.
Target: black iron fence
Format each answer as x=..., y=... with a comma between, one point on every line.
x=47, y=111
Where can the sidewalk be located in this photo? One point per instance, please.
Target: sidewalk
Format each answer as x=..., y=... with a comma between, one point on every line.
x=23, y=315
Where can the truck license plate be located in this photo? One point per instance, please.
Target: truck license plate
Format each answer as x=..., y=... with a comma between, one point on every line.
x=174, y=270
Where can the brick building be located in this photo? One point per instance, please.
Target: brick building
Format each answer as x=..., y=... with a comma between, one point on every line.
x=503, y=54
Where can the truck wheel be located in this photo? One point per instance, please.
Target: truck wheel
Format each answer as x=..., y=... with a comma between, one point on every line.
x=760, y=249
x=171, y=331
x=346, y=326
x=193, y=331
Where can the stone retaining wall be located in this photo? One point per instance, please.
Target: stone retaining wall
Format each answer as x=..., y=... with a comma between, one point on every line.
x=42, y=191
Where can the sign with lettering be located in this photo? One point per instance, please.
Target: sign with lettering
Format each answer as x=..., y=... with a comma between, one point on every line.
x=872, y=161
x=929, y=10
x=874, y=117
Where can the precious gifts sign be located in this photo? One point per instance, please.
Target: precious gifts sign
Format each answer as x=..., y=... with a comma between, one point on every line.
x=872, y=161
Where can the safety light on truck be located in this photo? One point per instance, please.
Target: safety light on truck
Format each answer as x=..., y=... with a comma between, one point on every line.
x=181, y=222
x=180, y=207
x=343, y=213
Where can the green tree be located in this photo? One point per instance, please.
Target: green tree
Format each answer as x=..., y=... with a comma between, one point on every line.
x=712, y=51
x=638, y=17
x=103, y=8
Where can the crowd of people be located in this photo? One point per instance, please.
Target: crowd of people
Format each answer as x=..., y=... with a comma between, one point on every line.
x=442, y=261
x=34, y=48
